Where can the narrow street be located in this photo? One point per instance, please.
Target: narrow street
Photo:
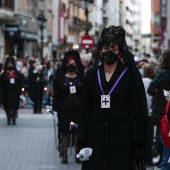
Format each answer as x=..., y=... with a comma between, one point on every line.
x=30, y=145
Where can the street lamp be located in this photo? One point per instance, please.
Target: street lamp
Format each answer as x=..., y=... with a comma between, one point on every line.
x=88, y=24
x=41, y=22
x=87, y=2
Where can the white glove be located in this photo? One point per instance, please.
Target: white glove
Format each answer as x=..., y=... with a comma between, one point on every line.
x=54, y=114
x=166, y=93
x=84, y=154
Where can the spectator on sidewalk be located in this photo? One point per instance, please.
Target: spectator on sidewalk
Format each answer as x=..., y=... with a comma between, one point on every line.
x=85, y=60
x=158, y=84
x=149, y=73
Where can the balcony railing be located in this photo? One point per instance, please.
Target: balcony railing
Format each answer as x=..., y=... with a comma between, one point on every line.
x=9, y=4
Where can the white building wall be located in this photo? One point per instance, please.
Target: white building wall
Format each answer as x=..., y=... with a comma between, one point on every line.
x=145, y=26
x=113, y=12
x=130, y=21
x=136, y=23
x=127, y=20
x=95, y=17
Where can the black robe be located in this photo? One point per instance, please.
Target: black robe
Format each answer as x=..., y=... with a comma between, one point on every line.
x=111, y=132
x=11, y=92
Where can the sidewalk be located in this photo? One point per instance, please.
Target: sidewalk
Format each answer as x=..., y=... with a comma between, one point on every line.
x=30, y=145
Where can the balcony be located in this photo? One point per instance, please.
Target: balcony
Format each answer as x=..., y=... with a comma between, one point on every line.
x=75, y=24
x=6, y=10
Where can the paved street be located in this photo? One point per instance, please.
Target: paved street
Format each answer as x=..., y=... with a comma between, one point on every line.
x=30, y=145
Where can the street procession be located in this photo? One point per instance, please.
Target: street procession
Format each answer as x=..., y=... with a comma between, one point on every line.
x=84, y=84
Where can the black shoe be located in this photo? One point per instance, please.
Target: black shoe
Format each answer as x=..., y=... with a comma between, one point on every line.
x=78, y=160
x=64, y=160
x=8, y=122
x=14, y=121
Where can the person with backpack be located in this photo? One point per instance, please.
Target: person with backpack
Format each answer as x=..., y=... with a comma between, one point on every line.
x=158, y=84
x=165, y=132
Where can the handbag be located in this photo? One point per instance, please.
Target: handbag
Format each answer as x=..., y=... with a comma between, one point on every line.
x=165, y=126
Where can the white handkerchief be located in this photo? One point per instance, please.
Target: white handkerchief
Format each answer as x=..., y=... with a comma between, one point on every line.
x=84, y=154
x=166, y=93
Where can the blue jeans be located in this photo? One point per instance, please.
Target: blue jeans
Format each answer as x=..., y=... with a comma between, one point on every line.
x=165, y=157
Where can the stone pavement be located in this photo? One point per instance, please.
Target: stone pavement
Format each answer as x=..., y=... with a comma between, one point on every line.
x=30, y=145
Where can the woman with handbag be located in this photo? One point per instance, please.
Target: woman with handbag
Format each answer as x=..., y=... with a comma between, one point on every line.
x=112, y=124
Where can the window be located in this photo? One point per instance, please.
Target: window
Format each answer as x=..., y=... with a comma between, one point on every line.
x=7, y=4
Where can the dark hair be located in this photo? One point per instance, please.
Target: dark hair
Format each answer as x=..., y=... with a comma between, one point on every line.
x=62, y=69
x=113, y=35
x=149, y=70
x=108, y=40
x=10, y=59
x=166, y=58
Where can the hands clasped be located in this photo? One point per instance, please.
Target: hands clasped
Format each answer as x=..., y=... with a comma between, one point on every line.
x=84, y=154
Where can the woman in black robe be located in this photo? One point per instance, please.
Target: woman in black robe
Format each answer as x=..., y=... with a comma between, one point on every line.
x=11, y=82
x=113, y=123
x=67, y=97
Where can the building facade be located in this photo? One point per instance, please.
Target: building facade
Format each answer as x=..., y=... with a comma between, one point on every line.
x=167, y=31
x=7, y=8
x=20, y=33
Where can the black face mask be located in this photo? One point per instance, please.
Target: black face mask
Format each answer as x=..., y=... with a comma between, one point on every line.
x=71, y=68
x=109, y=57
x=10, y=68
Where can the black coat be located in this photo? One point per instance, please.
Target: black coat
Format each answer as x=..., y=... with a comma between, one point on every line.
x=159, y=101
x=111, y=132
x=66, y=104
x=11, y=92
x=35, y=87
x=62, y=99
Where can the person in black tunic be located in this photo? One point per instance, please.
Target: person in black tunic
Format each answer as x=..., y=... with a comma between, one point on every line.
x=67, y=96
x=114, y=109
x=36, y=85
x=11, y=82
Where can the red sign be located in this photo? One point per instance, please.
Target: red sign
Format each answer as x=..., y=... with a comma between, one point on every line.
x=61, y=25
x=87, y=41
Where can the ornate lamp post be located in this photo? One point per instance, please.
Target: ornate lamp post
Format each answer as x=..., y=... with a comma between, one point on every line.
x=41, y=22
x=87, y=26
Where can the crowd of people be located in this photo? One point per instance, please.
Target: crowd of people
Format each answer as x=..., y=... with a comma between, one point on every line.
x=114, y=99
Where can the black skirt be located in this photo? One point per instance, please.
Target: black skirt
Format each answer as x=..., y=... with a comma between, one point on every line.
x=67, y=116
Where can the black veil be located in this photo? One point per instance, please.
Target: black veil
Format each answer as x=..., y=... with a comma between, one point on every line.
x=108, y=36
